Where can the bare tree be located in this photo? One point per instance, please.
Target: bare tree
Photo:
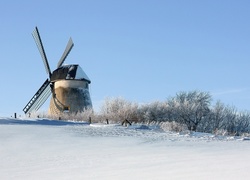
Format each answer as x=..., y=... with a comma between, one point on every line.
x=216, y=119
x=191, y=108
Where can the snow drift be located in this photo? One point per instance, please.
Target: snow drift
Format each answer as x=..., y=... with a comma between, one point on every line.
x=45, y=149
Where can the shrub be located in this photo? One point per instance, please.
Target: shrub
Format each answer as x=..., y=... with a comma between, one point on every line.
x=187, y=110
x=119, y=109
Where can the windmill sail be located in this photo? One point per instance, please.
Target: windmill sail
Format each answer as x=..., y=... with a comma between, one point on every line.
x=66, y=52
x=39, y=98
x=40, y=47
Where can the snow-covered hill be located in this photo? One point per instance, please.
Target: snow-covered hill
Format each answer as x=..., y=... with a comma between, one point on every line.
x=45, y=149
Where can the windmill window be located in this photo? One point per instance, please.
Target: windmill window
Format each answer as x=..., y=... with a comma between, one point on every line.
x=66, y=109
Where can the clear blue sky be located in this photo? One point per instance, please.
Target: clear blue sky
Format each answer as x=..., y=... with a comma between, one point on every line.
x=141, y=50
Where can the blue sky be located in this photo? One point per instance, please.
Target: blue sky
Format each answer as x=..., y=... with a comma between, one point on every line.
x=139, y=49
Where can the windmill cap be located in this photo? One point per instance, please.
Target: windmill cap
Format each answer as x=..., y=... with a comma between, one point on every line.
x=69, y=72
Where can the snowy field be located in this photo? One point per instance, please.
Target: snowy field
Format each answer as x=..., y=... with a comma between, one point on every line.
x=44, y=149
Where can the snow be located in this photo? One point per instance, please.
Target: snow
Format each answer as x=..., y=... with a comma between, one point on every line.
x=81, y=74
x=47, y=149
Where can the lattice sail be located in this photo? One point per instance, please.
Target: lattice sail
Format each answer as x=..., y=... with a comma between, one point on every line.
x=39, y=98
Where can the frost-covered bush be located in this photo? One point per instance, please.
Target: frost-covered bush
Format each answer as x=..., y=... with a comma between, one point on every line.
x=216, y=118
x=156, y=111
x=239, y=124
x=187, y=110
x=225, y=120
x=119, y=109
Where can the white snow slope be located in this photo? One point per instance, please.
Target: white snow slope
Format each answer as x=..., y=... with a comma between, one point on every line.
x=44, y=149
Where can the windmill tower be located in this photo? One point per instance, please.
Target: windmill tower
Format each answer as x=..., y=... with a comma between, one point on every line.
x=68, y=85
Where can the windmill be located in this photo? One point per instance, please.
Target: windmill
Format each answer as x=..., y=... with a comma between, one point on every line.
x=68, y=85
